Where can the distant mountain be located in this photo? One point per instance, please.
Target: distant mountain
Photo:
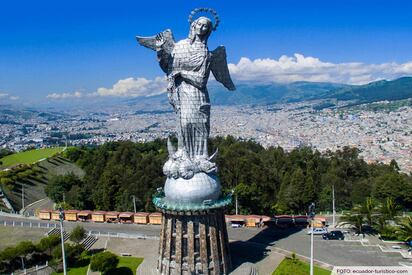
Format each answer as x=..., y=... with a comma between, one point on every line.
x=270, y=93
x=397, y=89
x=258, y=94
x=255, y=94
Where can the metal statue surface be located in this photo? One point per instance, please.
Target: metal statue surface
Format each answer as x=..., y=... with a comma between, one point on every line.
x=187, y=64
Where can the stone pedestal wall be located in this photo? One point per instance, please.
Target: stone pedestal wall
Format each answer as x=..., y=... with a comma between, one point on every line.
x=194, y=243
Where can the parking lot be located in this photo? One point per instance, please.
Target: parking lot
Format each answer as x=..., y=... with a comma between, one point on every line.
x=339, y=253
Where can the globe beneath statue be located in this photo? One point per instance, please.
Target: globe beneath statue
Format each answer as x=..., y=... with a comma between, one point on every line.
x=201, y=187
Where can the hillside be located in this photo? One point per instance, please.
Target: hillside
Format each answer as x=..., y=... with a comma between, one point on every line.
x=397, y=89
x=29, y=157
x=270, y=93
x=34, y=184
x=255, y=94
x=261, y=94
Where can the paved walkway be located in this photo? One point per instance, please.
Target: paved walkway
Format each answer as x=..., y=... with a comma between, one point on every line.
x=268, y=264
x=245, y=255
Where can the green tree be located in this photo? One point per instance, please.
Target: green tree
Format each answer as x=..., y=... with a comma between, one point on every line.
x=23, y=248
x=390, y=209
x=270, y=179
x=393, y=185
x=354, y=219
x=404, y=231
x=78, y=234
x=368, y=209
x=48, y=243
x=296, y=196
x=103, y=262
x=61, y=184
x=5, y=152
x=72, y=253
x=9, y=254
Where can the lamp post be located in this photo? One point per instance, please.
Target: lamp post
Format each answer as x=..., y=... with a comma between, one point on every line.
x=61, y=216
x=333, y=207
x=134, y=203
x=311, y=216
x=22, y=197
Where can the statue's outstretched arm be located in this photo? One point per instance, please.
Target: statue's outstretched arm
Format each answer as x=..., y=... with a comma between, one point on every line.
x=163, y=43
x=219, y=68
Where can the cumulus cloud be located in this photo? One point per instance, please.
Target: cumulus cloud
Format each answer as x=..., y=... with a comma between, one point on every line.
x=127, y=87
x=283, y=70
x=8, y=96
x=65, y=95
x=134, y=87
x=302, y=68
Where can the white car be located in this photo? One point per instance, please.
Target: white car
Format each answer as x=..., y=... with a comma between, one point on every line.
x=318, y=231
x=236, y=225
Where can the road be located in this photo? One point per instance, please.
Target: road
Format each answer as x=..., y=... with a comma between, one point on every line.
x=337, y=253
x=131, y=229
x=45, y=203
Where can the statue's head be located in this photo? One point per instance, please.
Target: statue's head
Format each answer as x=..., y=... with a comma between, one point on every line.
x=200, y=28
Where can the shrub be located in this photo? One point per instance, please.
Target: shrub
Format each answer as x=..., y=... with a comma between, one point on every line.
x=72, y=252
x=78, y=234
x=103, y=262
x=48, y=243
x=388, y=233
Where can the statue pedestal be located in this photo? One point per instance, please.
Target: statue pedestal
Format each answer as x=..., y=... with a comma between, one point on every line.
x=194, y=242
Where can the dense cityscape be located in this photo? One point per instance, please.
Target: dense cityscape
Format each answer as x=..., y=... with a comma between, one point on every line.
x=381, y=135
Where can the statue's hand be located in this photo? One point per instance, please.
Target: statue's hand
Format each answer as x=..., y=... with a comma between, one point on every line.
x=160, y=40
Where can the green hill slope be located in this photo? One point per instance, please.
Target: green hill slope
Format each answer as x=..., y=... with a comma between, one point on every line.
x=34, y=183
x=376, y=91
x=28, y=157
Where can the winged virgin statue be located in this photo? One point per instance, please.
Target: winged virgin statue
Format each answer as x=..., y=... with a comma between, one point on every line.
x=187, y=64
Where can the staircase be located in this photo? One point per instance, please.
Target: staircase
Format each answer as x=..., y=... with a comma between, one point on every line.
x=56, y=231
x=88, y=242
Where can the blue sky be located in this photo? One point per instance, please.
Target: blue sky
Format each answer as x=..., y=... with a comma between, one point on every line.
x=63, y=47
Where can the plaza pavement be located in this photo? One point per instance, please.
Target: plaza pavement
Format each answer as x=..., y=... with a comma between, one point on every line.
x=264, y=241
x=244, y=255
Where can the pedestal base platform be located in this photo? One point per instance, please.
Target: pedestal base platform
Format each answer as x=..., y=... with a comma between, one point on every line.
x=194, y=243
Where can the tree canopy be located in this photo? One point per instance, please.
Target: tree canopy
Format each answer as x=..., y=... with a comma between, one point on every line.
x=265, y=180
x=103, y=261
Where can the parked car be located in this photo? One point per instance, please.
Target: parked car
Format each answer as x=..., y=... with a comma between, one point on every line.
x=333, y=235
x=318, y=231
x=236, y=225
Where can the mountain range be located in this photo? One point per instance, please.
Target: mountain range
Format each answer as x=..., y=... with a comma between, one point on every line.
x=262, y=94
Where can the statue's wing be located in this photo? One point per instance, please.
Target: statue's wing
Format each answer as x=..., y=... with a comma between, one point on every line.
x=148, y=42
x=163, y=44
x=219, y=68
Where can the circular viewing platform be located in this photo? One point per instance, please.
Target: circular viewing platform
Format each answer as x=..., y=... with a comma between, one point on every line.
x=163, y=204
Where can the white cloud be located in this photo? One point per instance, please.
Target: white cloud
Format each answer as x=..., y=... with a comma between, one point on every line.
x=65, y=95
x=286, y=69
x=301, y=68
x=128, y=87
x=134, y=87
x=8, y=96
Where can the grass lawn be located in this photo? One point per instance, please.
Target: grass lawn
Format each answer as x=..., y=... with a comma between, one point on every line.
x=126, y=266
x=297, y=267
x=29, y=157
x=80, y=270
